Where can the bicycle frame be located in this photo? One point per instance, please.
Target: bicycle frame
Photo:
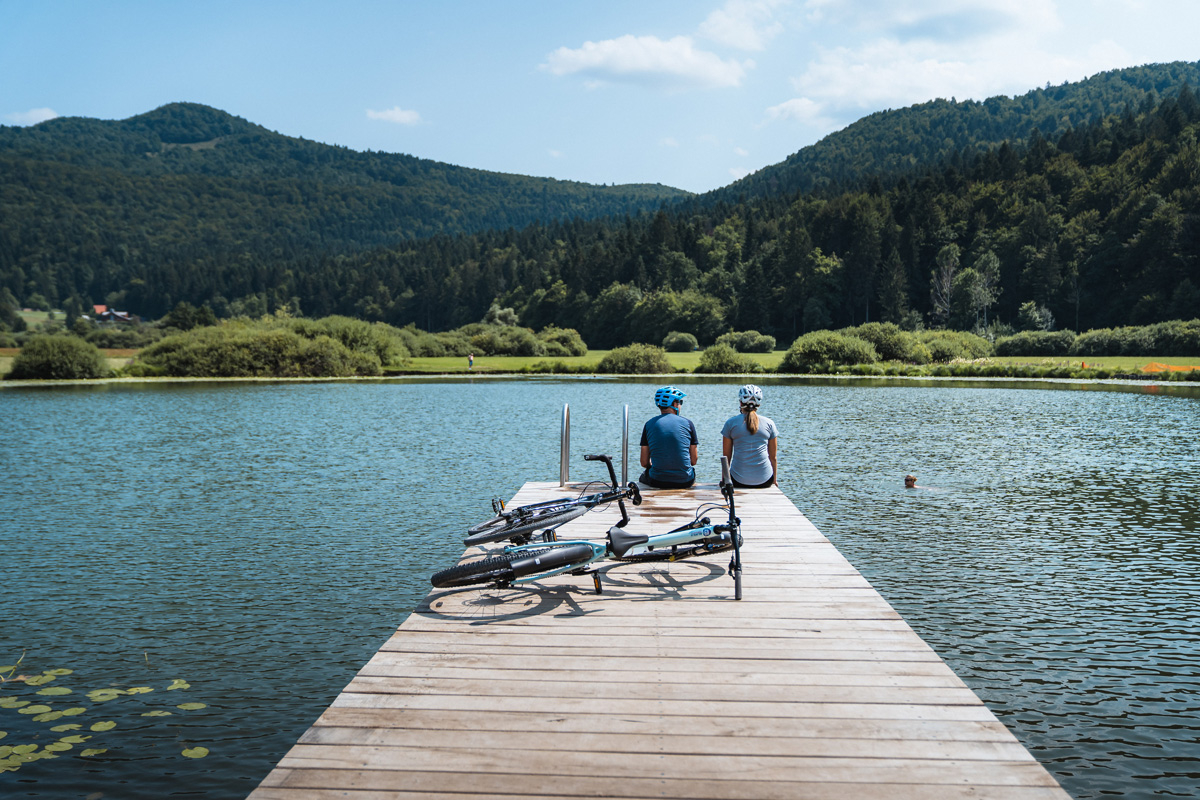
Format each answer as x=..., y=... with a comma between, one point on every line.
x=619, y=545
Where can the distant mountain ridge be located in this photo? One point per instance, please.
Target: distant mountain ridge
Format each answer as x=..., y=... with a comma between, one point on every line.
x=894, y=141
x=405, y=196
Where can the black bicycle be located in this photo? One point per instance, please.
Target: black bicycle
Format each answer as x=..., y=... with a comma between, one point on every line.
x=518, y=525
x=523, y=563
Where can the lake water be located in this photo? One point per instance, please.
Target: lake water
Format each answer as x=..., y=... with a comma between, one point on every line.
x=261, y=541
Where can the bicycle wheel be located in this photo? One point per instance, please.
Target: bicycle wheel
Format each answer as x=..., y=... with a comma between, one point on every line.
x=500, y=528
x=488, y=570
x=510, y=566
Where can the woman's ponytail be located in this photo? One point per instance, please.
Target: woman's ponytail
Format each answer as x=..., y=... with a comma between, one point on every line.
x=751, y=419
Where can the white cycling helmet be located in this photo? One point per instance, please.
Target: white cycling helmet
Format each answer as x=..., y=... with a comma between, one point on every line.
x=750, y=395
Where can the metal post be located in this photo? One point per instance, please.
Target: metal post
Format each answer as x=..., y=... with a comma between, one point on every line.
x=564, y=458
x=625, y=446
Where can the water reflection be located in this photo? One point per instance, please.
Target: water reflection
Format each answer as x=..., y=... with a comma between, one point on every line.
x=261, y=541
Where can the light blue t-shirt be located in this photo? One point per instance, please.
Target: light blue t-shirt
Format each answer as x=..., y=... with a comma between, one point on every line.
x=670, y=437
x=750, y=465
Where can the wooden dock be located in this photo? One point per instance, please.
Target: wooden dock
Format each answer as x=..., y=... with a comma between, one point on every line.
x=812, y=686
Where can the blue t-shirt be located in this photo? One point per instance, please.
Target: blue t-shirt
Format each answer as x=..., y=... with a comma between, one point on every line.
x=670, y=437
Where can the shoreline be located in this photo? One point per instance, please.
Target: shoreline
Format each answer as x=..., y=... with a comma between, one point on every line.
x=1155, y=385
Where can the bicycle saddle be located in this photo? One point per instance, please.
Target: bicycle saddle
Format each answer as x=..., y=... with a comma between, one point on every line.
x=623, y=541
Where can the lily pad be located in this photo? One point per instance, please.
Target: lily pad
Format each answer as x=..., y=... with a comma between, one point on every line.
x=49, y=716
x=196, y=752
x=191, y=706
x=73, y=712
x=59, y=671
x=75, y=739
x=38, y=680
x=34, y=710
x=104, y=695
x=93, y=751
x=179, y=684
x=60, y=747
x=12, y=702
x=3, y=734
x=157, y=714
x=107, y=725
x=139, y=690
x=54, y=691
x=24, y=749
x=5, y=751
x=70, y=726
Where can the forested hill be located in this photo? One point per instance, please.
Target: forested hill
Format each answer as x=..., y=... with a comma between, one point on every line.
x=895, y=141
x=193, y=185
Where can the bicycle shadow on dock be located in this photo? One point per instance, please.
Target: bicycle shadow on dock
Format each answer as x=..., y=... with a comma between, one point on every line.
x=573, y=596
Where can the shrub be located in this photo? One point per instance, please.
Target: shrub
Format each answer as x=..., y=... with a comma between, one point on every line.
x=383, y=341
x=562, y=341
x=1036, y=343
x=506, y=340
x=241, y=351
x=679, y=342
x=891, y=343
x=422, y=344
x=721, y=359
x=945, y=346
x=124, y=336
x=58, y=358
x=748, y=341
x=823, y=350
x=635, y=359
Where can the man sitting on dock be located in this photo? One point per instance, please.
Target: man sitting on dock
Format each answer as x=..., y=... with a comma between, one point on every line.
x=669, y=444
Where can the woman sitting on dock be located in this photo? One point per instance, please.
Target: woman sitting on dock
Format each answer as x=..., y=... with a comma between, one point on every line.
x=750, y=442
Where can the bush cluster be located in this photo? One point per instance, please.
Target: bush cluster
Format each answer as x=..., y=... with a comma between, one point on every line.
x=748, y=341
x=821, y=351
x=946, y=345
x=1036, y=343
x=236, y=351
x=678, y=342
x=891, y=342
x=635, y=359
x=1175, y=338
x=58, y=357
x=721, y=359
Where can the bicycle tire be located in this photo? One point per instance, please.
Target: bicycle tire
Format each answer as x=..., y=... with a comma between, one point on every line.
x=487, y=570
x=500, y=528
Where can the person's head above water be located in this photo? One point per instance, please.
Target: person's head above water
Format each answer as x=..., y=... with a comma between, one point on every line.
x=669, y=398
x=910, y=481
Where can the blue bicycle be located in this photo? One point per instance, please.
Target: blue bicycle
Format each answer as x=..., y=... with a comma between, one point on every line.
x=525, y=563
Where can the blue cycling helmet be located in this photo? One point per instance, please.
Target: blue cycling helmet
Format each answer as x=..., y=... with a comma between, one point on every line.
x=667, y=395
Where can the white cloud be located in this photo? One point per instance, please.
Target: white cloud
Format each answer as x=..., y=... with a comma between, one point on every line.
x=397, y=115
x=915, y=51
x=738, y=172
x=31, y=117
x=738, y=151
x=669, y=141
x=743, y=24
x=801, y=109
x=674, y=63
x=555, y=153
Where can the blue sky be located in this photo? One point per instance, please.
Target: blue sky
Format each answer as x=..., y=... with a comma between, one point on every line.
x=685, y=93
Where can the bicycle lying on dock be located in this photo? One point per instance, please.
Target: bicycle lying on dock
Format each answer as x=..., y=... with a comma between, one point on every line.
x=524, y=563
x=518, y=525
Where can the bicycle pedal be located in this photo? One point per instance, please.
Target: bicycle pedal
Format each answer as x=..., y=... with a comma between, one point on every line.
x=549, y=536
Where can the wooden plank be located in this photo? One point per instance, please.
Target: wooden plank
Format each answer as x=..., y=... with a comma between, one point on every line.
x=663, y=686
